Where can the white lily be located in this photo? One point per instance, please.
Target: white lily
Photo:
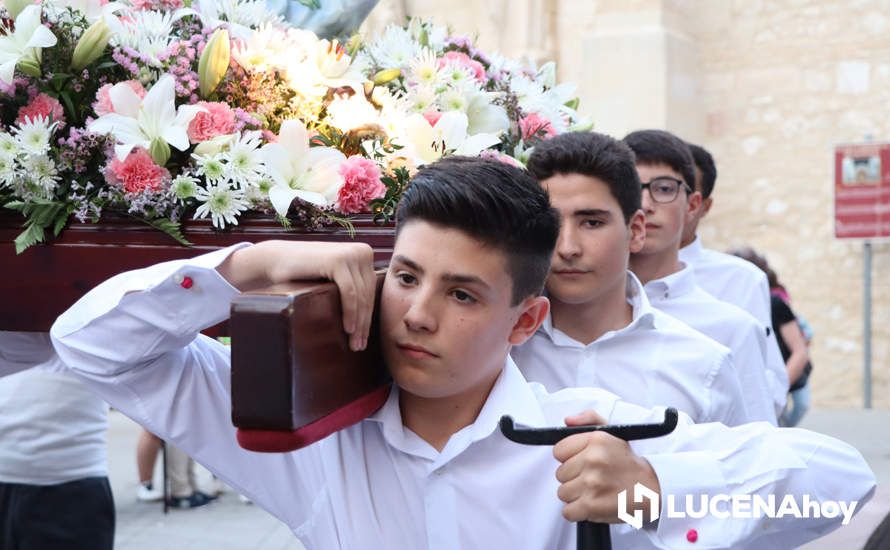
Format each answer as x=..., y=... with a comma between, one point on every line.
x=138, y=122
x=428, y=143
x=327, y=66
x=23, y=45
x=299, y=171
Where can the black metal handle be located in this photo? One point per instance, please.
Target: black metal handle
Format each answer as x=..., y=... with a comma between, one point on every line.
x=591, y=536
x=594, y=536
x=552, y=436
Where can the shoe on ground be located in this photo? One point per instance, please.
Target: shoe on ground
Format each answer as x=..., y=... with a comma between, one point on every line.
x=147, y=493
x=194, y=500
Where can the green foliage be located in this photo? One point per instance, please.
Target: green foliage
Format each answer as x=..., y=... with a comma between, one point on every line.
x=384, y=208
x=41, y=215
x=169, y=227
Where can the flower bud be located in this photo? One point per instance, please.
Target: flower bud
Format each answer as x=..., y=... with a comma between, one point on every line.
x=159, y=151
x=214, y=61
x=386, y=75
x=91, y=45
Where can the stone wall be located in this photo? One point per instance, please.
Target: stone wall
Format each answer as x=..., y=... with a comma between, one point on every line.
x=768, y=87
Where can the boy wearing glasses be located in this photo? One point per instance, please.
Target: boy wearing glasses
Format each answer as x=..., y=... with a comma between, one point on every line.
x=665, y=166
x=602, y=330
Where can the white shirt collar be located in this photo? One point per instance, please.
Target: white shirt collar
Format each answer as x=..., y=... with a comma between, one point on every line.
x=510, y=395
x=674, y=285
x=692, y=251
x=642, y=315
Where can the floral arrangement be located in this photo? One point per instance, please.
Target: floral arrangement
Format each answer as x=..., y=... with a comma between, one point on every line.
x=164, y=111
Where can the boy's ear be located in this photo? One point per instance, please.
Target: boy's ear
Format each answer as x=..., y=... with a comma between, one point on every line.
x=534, y=311
x=637, y=231
x=693, y=205
x=706, y=206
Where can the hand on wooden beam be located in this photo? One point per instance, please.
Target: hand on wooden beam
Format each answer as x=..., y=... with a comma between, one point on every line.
x=349, y=265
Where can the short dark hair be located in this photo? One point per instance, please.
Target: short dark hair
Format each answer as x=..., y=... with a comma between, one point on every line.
x=661, y=147
x=705, y=163
x=595, y=155
x=493, y=202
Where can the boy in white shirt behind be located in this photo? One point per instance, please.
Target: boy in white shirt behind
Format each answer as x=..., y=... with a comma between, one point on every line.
x=602, y=332
x=665, y=166
x=729, y=278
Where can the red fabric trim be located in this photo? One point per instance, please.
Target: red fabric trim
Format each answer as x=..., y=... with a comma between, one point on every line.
x=282, y=441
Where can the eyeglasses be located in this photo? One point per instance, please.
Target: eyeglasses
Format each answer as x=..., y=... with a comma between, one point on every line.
x=665, y=189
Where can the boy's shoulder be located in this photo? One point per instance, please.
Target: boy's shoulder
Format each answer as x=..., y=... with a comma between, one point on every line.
x=715, y=259
x=678, y=337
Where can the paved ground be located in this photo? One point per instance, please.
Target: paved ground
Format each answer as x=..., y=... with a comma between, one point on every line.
x=228, y=524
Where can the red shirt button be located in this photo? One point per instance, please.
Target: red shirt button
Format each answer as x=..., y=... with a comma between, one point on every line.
x=187, y=282
x=692, y=535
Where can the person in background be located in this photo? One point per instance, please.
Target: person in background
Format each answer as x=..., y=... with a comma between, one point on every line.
x=180, y=471
x=793, y=344
x=146, y=455
x=54, y=489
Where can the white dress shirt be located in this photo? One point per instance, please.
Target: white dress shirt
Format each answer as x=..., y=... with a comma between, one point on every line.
x=376, y=484
x=743, y=284
x=678, y=296
x=656, y=360
x=52, y=428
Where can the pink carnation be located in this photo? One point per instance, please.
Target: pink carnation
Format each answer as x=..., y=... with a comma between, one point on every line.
x=42, y=106
x=136, y=173
x=361, y=183
x=536, y=126
x=217, y=120
x=103, y=105
x=465, y=61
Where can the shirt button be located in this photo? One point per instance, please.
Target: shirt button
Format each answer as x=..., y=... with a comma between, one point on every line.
x=692, y=535
x=440, y=472
x=184, y=282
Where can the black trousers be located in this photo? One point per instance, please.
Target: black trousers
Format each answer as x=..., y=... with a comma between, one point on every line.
x=78, y=515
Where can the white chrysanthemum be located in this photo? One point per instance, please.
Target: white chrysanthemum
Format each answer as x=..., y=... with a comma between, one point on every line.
x=149, y=32
x=259, y=190
x=239, y=16
x=457, y=76
x=212, y=167
x=500, y=64
x=32, y=135
x=42, y=173
x=7, y=169
x=223, y=203
x=454, y=100
x=421, y=98
x=271, y=47
x=424, y=69
x=243, y=159
x=394, y=49
x=184, y=187
x=8, y=144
